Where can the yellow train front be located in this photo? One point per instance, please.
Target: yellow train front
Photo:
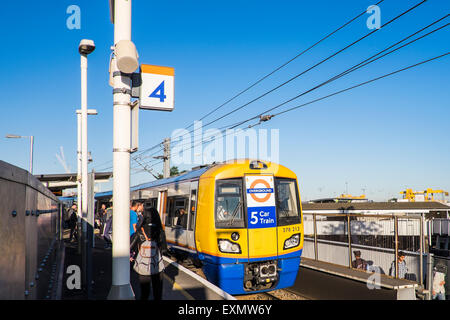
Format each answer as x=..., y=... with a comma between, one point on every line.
x=240, y=220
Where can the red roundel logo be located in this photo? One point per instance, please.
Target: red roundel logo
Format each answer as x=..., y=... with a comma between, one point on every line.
x=253, y=195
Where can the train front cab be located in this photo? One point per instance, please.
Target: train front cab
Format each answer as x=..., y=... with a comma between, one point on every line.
x=239, y=253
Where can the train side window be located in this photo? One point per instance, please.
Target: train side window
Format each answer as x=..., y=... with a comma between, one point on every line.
x=181, y=204
x=193, y=209
x=150, y=203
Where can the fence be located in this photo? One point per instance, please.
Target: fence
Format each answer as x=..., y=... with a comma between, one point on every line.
x=378, y=238
x=439, y=231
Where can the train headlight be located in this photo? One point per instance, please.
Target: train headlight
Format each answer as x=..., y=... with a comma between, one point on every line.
x=227, y=246
x=292, y=242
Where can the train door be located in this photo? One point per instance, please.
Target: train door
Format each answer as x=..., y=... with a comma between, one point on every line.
x=162, y=201
x=261, y=216
x=192, y=214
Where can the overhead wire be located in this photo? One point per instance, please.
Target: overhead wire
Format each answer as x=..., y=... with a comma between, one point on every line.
x=285, y=64
x=364, y=83
x=317, y=64
x=314, y=66
x=363, y=63
x=274, y=71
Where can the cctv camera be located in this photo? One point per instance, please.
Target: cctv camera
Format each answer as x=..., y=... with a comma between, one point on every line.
x=127, y=56
x=86, y=46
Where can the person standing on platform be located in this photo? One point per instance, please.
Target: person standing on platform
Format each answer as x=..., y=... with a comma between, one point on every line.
x=133, y=217
x=151, y=245
x=438, y=283
x=140, y=212
x=107, y=230
x=73, y=219
x=101, y=214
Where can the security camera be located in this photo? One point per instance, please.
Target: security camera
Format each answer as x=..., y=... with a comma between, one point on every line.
x=86, y=46
x=127, y=56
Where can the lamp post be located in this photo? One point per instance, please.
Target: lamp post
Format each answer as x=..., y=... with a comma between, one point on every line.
x=14, y=136
x=85, y=48
x=79, y=165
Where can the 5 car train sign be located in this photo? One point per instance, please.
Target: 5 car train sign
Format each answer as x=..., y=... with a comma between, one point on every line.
x=260, y=202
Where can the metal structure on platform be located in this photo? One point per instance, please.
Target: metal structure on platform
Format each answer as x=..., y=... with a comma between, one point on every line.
x=30, y=234
x=378, y=232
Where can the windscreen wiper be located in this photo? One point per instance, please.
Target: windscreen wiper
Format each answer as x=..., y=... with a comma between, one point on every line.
x=235, y=212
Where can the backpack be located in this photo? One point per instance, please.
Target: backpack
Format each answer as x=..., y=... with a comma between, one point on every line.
x=149, y=259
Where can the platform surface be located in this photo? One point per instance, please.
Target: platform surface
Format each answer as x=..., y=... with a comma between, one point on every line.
x=383, y=280
x=179, y=283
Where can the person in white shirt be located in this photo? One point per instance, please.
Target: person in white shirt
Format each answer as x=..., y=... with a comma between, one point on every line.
x=438, y=285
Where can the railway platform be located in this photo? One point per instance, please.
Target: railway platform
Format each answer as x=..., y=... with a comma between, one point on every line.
x=179, y=283
x=322, y=280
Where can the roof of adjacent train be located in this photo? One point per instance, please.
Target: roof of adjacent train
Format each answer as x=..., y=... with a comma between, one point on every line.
x=185, y=176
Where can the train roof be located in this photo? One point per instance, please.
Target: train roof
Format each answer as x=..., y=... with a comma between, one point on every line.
x=185, y=176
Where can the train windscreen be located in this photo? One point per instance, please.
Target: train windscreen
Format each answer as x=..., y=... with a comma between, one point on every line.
x=288, y=208
x=229, y=211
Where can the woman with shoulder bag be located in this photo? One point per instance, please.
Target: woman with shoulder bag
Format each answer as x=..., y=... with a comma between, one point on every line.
x=149, y=244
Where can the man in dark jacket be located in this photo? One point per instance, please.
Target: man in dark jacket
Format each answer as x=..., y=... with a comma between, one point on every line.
x=182, y=218
x=73, y=218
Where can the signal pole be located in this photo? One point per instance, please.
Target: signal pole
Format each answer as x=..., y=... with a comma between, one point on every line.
x=166, y=173
x=166, y=158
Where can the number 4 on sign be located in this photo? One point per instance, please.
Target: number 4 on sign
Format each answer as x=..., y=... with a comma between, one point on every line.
x=159, y=93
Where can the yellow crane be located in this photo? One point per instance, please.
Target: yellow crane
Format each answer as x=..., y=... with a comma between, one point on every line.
x=428, y=195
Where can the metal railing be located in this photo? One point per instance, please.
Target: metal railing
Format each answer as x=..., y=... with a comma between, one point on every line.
x=377, y=239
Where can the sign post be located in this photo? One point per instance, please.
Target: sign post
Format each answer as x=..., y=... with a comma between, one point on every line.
x=121, y=287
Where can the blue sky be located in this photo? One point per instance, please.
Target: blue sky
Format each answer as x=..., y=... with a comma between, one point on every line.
x=383, y=137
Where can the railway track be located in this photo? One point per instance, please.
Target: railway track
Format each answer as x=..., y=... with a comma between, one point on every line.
x=280, y=294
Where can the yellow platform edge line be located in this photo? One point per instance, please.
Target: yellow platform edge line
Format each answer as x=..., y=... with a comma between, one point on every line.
x=178, y=287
